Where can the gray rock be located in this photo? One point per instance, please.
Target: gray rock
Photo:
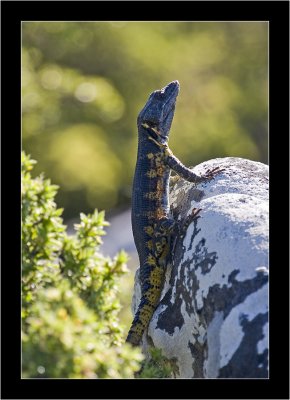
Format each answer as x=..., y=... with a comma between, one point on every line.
x=212, y=320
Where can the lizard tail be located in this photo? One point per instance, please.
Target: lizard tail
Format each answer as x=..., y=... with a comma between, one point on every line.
x=140, y=322
x=149, y=301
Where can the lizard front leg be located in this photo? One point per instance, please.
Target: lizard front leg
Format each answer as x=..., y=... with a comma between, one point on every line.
x=176, y=165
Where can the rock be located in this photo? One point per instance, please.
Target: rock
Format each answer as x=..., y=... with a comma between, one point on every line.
x=212, y=320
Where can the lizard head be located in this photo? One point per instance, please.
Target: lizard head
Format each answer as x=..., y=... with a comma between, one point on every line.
x=156, y=117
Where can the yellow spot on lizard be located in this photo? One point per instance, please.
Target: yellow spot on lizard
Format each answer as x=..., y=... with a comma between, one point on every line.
x=151, y=173
x=152, y=195
x=149, y=244
x=160, y=185
x=151, y=260
x=160, y=213
x=156, y=276
x=160, y=171
x=149, y=230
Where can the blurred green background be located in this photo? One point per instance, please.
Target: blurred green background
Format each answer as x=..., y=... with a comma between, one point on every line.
x=84, y=83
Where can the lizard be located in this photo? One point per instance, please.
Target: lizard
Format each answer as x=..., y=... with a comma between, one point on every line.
x=154, y=229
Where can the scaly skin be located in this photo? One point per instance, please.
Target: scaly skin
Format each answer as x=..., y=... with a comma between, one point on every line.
x=154, y=229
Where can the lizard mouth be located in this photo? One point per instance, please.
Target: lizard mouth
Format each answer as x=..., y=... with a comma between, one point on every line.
x=171, y=91
x=167, y=120
x=169, y=114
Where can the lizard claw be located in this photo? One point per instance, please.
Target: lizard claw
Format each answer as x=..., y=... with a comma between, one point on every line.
x=189, y=219
x=194, y=213
x=211, y=173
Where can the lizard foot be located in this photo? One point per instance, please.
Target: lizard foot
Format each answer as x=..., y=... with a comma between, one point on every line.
x=188, y=220
x=194, y=213
x=211, y=173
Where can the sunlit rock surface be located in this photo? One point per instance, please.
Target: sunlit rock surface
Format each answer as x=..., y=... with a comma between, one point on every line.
x=212, y=320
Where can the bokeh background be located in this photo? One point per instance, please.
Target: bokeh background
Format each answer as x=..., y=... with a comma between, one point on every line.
x=84, y=83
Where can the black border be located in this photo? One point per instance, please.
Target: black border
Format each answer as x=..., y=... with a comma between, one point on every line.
x=277, y=13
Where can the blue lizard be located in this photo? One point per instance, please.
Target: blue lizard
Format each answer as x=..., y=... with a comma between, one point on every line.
x=154, y=229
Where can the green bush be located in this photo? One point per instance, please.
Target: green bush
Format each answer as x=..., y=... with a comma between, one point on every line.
x=158, y=366
x=70, y=326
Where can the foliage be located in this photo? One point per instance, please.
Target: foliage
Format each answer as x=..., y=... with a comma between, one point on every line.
x=127, y=285
x=157, y=366
x=84, y=83
x=70, y=306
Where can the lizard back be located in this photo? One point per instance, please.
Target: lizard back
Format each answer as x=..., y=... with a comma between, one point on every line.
x=150, y=203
